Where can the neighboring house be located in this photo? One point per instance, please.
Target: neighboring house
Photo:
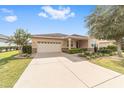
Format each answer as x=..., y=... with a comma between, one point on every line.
x=55, y=42
x=4, y=40
x=102, y=43
x=105, y=43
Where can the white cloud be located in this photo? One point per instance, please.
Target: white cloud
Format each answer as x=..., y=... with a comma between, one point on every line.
x=5, y=10
x=11, y=19
x=43, y=14
x=61, y=13
x=10, y=16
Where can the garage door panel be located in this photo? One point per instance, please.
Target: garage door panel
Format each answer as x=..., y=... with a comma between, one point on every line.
x=49, y=47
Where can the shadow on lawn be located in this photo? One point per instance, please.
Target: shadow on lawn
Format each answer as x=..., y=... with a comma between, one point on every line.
x=6, y=60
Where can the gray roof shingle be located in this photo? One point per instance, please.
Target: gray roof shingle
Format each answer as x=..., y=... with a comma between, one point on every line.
x=58, y=35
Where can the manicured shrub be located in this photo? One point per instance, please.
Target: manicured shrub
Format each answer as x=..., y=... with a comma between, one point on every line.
x=112, y=47
x=75, y=50
x=27, y=49
x=105, y=51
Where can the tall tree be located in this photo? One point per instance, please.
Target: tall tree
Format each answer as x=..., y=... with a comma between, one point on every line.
x=21, y=37
x=107, y=22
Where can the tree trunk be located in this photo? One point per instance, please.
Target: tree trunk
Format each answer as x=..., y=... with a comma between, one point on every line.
x=20, y=49
x=119, y=48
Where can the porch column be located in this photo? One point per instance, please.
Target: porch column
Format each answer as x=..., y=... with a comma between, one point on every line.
x=69, y=43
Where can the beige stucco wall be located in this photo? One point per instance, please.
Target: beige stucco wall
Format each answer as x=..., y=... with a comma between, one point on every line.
x=90, y=40
x=84, y=44
x=64, y=44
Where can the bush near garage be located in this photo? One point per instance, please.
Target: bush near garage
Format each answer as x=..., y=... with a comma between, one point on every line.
x=76, y=50
x=27, y=49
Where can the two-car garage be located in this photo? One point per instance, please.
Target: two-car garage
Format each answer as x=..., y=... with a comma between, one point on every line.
x=49, y=46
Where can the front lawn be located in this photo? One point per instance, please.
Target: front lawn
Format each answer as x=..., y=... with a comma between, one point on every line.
x=115, y=65
x=11, y=68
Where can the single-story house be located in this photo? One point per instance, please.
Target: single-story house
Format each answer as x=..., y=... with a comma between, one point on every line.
x=55, y=42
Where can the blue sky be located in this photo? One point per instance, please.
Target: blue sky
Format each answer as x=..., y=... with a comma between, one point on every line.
x=44, y=19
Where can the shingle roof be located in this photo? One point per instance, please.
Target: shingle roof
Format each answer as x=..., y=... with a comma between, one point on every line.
x=52, y=35
x=58, y=35
x=76, y=35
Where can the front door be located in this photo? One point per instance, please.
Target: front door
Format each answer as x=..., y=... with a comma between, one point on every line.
x=77, y=44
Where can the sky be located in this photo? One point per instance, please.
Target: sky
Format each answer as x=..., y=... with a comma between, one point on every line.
x=38, y=19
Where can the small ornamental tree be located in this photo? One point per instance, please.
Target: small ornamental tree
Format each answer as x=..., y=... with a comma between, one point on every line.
x=20, y=38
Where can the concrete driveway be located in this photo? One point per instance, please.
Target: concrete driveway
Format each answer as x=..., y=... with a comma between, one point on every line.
x=52, y=70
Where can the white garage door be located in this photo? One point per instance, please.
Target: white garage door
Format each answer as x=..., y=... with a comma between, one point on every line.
x=48, y=47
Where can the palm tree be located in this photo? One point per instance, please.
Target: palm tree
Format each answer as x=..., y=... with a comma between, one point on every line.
x=107, y=22
x=20, y=38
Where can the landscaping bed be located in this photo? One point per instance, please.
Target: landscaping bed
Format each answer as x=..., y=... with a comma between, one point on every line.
x=101, y=52
x=11, y=68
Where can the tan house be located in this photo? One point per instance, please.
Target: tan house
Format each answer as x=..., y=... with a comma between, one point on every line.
x=56, y=42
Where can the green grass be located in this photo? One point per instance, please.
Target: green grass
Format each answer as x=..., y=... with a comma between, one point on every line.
x=114, y=65
x=11, y=68
x=8, y=54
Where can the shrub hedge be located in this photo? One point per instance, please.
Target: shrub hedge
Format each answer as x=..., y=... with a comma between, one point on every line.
x=109, y=48
x=76, y=50
x=105, y=51
x=112, y=47
x=27, y=49
x=8, y=48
